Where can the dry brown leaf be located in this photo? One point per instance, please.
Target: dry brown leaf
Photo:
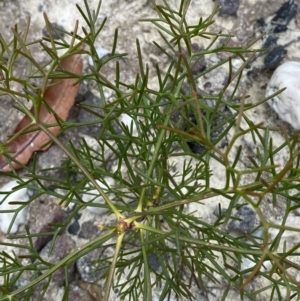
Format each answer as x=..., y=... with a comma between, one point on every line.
x=60, y=96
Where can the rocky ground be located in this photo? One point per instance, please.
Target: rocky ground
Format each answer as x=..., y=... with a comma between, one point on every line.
x=246, y=21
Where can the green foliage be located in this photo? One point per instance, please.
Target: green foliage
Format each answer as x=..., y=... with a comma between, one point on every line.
x=183, y=250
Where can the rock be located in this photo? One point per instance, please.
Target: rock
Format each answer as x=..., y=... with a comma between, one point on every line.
x=286, y=13
x=63, y=246
x=92, y=196
x=229, y=7
x=88, y=230
x=198, y=63
x=74, y=227
x=280, y=28
x=50, y=215
x=90, y=272
x=219, y=211
x=87, y=101
x=55, y=34
x=287, y=103
x=214, y=122
x=101, y=52
x=215, y=129
x=274, y=57
x=245, y=222
x=270, y=42
x=153, y=261
x=6, y=198
x=51, y=163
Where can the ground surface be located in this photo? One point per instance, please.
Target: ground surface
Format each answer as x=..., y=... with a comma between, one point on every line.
x=124, y=16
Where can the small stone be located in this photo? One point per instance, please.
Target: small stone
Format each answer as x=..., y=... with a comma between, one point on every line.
x=219, y=211
x=74, y=227
x=88, y=230
x=261, y=22
x=274, y=57
x=198, y=63
x=101, y=52
x=280, y=28
x=91, y=196
x=229, y=7
x=88, y=268
x=270, y=42
x=9, y=194
x=286, y=13
x=214, y=128
x=153, y=261
x=245, y=222
x=287, y=103
x=63, y=246
x=51, y=215
x=55, y=34
x=85, y=99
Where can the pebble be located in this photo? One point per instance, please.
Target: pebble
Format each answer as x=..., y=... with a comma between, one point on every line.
x=245, y=222
x=88, y=268
x=93, y=196
x=20, y=195
x=274, y=57
x=101, y=52
x=88, y=230
x=287, y=103
x=55, y=34
x=286, y=13
x=74, y=227
x=153, y=261
x=60, y=248
x=229, y=7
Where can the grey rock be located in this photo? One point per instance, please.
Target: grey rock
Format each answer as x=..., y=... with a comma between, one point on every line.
x=41, y=216
x=270, y=42
x=55, y=34
x=86, y=101
x=63, y=246
x=185, y=119
x=153, y=261
x=245, y=222
x=219, y=213
x=89, y=270
x=274, y=57
x=88, y=230
x=280, y=28
x=198, y=63
x=229, y=7
x=74, y=227
x=215, y=128
x=285, y=13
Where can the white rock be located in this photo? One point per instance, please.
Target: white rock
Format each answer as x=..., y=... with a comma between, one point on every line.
x=287, y=103
x=249, y=262
x=102, y=52
x=20, y=195
x=291, y=221
x=94, y=196
x=128, y=121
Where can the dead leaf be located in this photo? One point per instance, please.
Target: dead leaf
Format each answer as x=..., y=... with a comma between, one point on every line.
x=92, y=289
x=60, y=96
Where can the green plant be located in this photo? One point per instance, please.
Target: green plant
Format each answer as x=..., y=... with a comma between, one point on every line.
x=151, y=191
